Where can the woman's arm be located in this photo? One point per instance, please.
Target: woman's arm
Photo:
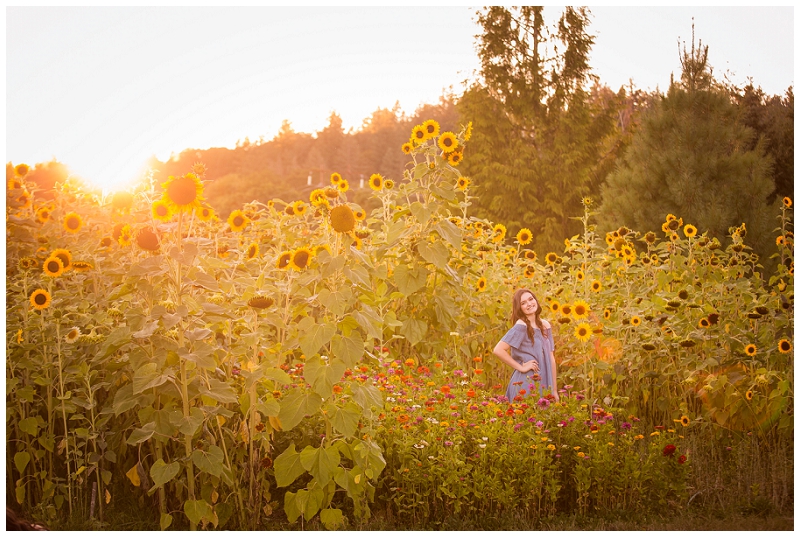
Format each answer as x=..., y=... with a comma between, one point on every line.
x=555, y=375
x=501, y=350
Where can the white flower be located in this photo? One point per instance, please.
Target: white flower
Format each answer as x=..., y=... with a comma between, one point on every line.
x=485, y=438
x=482, y=446
x=431, y=457
x=390, y=399
x=419, y=446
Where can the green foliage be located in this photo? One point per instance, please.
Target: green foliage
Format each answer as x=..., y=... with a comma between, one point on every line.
x=693, y=157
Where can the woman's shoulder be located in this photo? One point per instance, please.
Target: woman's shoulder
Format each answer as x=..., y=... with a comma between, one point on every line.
x=545, y=324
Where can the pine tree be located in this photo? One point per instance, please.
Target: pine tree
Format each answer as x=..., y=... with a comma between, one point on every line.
x=694, y=158
x=540, y=138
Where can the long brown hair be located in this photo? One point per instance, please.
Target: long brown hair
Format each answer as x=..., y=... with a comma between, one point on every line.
x=517, y=313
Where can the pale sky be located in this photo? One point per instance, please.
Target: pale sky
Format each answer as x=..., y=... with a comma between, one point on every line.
x=101, y=89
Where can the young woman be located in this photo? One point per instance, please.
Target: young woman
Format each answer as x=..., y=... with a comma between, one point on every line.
x=528, y=349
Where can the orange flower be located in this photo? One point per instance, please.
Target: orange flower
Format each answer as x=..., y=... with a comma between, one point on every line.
x=479, y=371
x=445, y=389
x=337, y=389
x=470, y=393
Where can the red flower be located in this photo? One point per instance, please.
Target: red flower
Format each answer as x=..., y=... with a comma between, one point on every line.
x=669, y=449
x=681, y=459
x=523, y=391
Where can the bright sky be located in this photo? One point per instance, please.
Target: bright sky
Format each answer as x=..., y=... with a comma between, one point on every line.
x=101, y=89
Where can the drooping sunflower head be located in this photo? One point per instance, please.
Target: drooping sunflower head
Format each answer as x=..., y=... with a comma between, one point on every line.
x=343, y=219
x=252, y=251
x=448, y=142
x=161, y=211
x=468, y=132
x=260, y=302
x=146, y=239
x=53, y=267
x=82, y=266
x=284, y=259
x=376, y=182
x=73, y=222
x=583, y=332
x=524, y=236
x=322, y=248
x=431, y=128
x=237, y=220
x=301, y=257
x=184, y=193
x=40, y=299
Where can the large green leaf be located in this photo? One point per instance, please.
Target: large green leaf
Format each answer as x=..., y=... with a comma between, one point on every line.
x=21, y=460
x=414, y=330
x=219, y=391
x=345, y=420
x=331, y=518
x=144, y=433
x=309, y=501
x=320, y=462
x=162, y=472
x=297, y=405
x=322, y=376
x=421, y=213
x=290, y=506
x=209, y=461
x=434, y=252
x=348, y=349
x=30, y=426
x=409, y=280
x=316, y=336
x=367, y=397
x=196, y=510
x=288, y=467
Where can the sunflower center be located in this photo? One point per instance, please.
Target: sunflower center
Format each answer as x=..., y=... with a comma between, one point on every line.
x=73, y=222
x=301, y=259
x=53, y=266
x=238, y=221
x=40, y=299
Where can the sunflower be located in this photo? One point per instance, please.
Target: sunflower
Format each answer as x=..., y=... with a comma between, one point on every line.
x=462, y=183
x=636, y=320
x=205, y=213
x=343, y=219
x=448, y=142
x=499, y=233
x=289, y=210
x=161, y=211
x=300, y=207
x=21, y=170
x=125, y=235
x=300, y=258
x=704, y=323
x=343, y=185
x=376, y=182
x=580, y=309
x=481, y=285
x=551, y=258
x=431, y=128
x=468, y=132
x=260, y=302
x=579, y=275
x=146, y=239
x=335, y=178
x=43, y=214
x=750, y=350
x=184, y=193
x=82, y=266
x=40, y=299
x=73, y=335
x=606, y=314
x=53, y=267
x=597, y=286
x=418, y=134
x=689, y=230
x=284, y=259
x=524, y=236
x=106, y=242
x=455, y=158
x=530, y=255
x=784, y=346
x=685, y=421
x=322, y=248
x=530, y=270
x=566, y=310
x=73, y=223
x=583, y=332
x=407, y=148
x=555, y=307
x=252, y=251
x=64, y=255
x=14, y=184
x=238, y=221
x=787, y=202
x=749, y=395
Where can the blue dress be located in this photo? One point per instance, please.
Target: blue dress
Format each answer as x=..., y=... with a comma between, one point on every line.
x=522, y=350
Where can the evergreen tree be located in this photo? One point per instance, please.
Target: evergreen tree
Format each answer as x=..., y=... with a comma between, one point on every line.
x=541, y=140
x=694, y=158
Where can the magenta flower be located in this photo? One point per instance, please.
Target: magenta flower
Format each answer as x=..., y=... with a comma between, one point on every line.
x=543, y=403
x=625, y=426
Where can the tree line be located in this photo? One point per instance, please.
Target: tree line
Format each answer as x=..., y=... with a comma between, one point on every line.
x=547, y=134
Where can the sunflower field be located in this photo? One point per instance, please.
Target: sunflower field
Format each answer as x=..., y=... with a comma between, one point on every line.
x=314, y=362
